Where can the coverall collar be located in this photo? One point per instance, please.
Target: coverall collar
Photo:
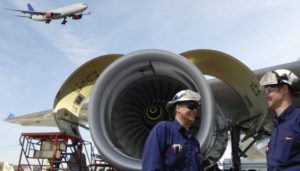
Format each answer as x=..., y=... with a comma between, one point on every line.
x=181, y=129
x=178, y=126
x=284, y=115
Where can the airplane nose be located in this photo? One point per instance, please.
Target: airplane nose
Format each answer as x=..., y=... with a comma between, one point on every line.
x=84, y=6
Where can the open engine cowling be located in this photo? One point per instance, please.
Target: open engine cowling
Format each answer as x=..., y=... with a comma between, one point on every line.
x=129, y=94
x=129, y=98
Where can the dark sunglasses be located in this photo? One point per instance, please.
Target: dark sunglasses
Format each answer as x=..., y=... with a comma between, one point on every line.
x=191, y=105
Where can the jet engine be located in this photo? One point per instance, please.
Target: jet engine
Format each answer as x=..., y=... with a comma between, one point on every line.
x=76, y=16
x=129, y=94
x=48, y=15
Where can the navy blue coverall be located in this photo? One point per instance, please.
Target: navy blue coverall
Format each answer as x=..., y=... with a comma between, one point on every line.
x=159, y=154
x=284, y=147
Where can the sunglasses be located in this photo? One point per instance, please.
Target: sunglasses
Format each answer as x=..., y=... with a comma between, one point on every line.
x=191, y=105
x=272, y=88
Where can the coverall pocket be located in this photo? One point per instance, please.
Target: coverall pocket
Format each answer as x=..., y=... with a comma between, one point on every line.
x=175, y=160
x=283, y=149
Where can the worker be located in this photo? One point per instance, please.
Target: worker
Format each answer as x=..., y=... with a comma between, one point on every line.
x=283, y=152
x=170, y=146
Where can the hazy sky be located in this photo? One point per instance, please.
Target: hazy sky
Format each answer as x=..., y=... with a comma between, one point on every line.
x=36, y=58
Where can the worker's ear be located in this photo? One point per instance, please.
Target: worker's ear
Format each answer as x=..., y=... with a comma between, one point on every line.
x=177, y=106
x=285, y=88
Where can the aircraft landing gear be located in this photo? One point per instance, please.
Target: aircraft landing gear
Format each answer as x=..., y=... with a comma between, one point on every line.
x=235, y=132
x=235, y=139
x=47, y=21
x=64, y=21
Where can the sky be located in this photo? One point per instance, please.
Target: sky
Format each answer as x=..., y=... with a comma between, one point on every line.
x=36, y=58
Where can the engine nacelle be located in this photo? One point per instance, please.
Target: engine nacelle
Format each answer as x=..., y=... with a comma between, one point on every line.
x=129, y=94
x=48, y=15
x=76, y=16
x=129, y=98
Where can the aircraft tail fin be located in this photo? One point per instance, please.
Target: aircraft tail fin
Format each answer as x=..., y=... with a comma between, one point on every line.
x=30, y=8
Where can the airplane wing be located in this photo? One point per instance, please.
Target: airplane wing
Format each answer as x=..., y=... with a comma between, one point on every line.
x=43, y=118
x=23, y=16
x=46, y=118
x=33, y=12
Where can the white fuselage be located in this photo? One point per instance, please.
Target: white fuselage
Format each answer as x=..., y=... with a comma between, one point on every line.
x=64, y=12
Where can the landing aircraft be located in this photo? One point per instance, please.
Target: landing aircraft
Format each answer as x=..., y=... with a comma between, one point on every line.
x=127, y=95
x=74, y=11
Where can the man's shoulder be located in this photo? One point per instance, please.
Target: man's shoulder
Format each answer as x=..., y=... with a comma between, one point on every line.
x=297, y=110
x=163, y=125
x=294, y=119
x=296, y=113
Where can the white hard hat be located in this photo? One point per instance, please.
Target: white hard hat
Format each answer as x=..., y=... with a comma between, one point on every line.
x=181, y=96
x=279, y=76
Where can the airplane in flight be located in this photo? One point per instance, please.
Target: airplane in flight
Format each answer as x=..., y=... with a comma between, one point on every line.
x=119, y=98
x=74, y=11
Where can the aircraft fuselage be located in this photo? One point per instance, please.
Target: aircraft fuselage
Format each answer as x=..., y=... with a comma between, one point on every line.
x=63, y=12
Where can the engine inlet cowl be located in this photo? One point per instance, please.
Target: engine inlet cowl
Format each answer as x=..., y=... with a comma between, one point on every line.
x=129, y=98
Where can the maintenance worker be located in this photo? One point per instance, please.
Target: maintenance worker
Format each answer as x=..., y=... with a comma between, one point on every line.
x=283, y=152
x=169, y=146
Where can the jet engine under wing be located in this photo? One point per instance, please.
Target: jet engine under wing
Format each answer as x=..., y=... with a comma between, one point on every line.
x=129, y=94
